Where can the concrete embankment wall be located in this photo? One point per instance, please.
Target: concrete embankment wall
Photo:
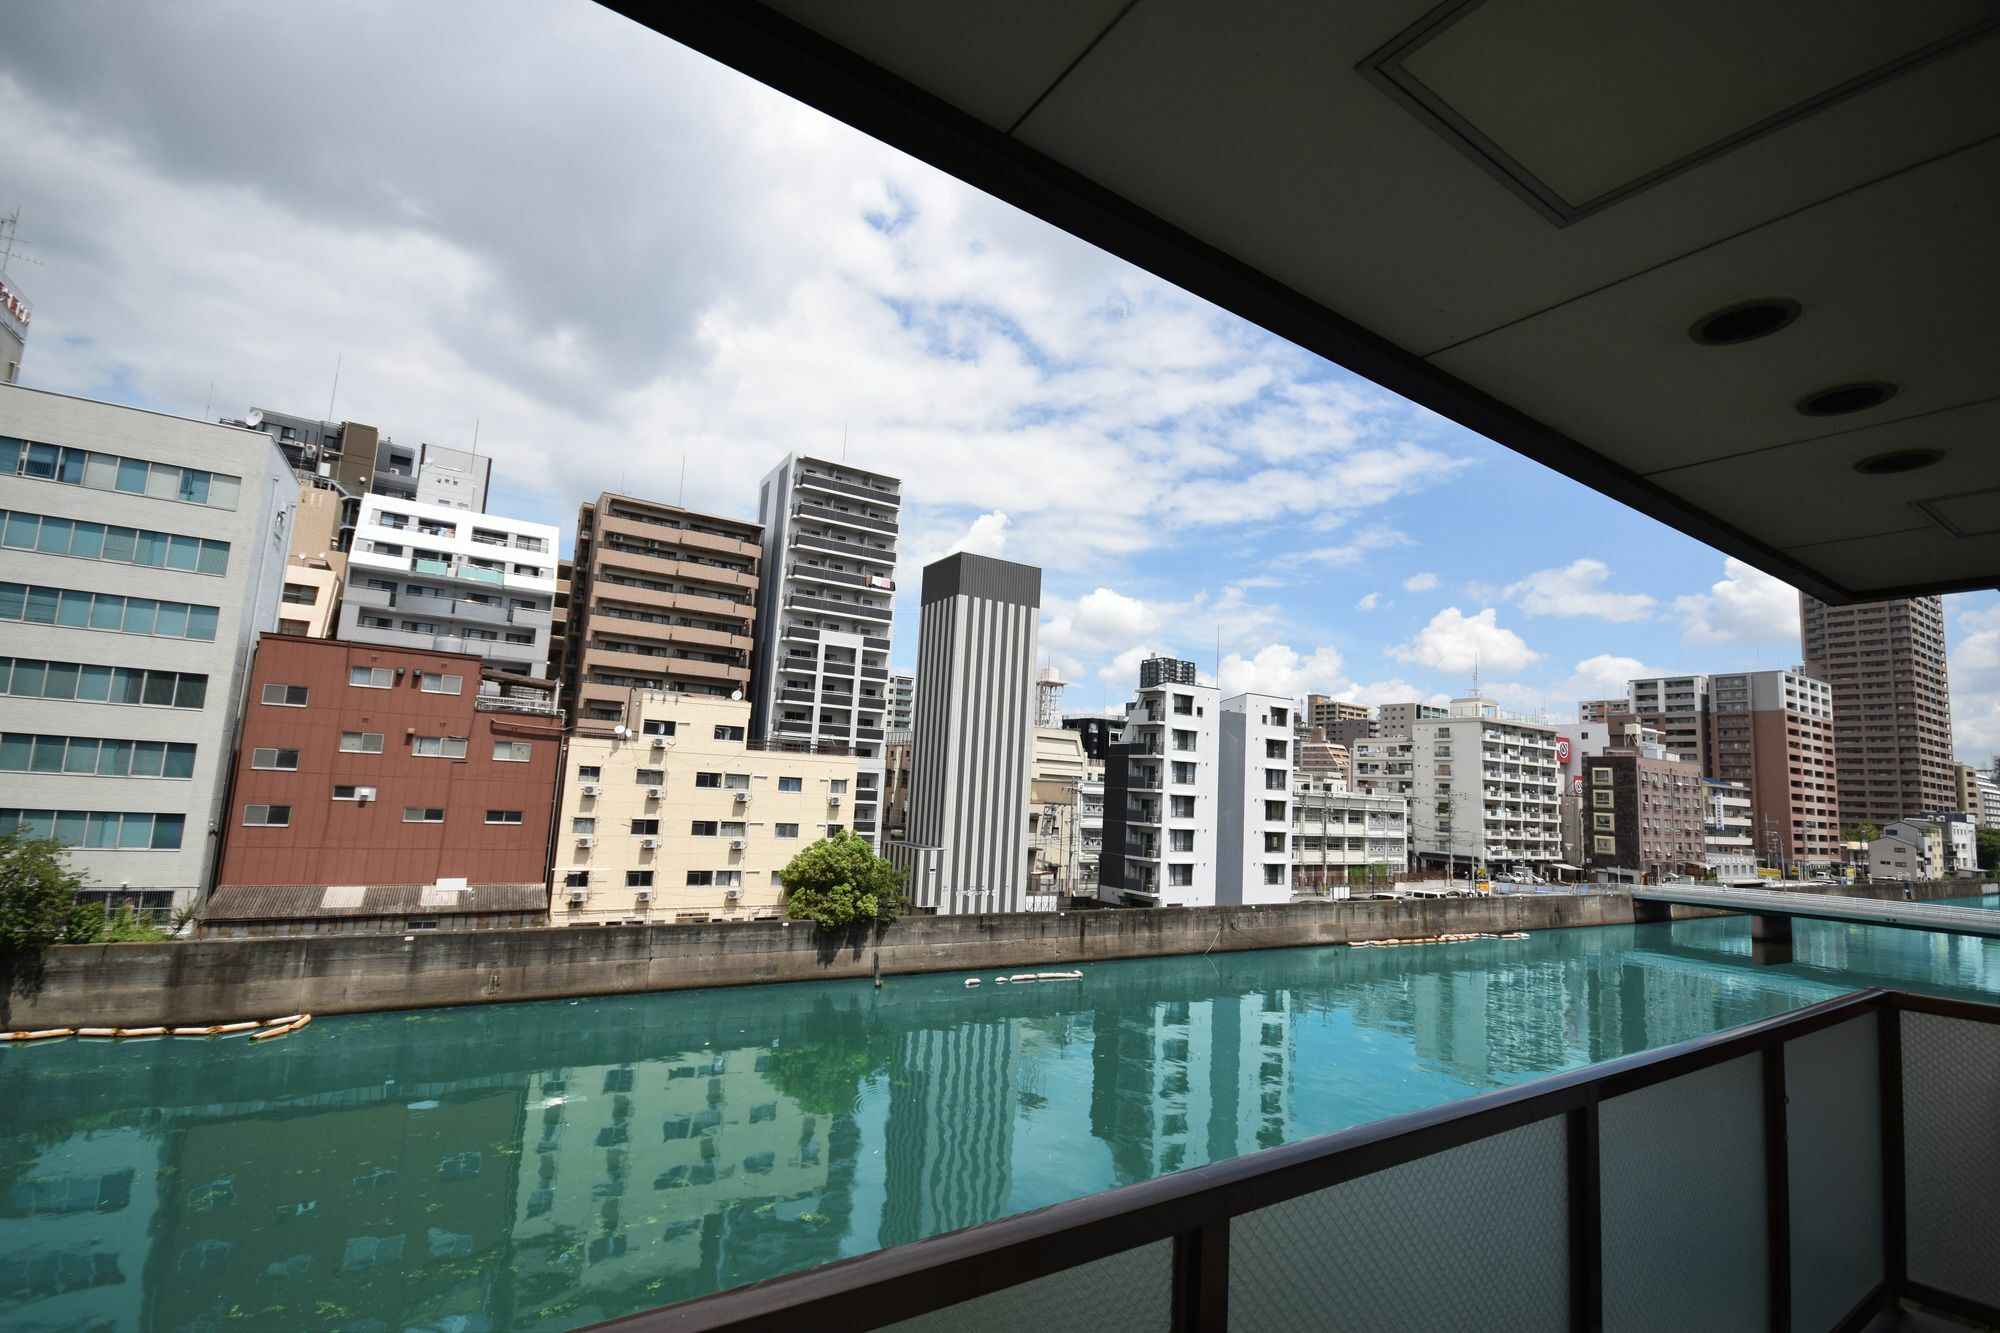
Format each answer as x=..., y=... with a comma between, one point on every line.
x=207, y=981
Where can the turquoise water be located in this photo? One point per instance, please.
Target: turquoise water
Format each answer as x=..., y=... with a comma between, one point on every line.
x=541, y=1166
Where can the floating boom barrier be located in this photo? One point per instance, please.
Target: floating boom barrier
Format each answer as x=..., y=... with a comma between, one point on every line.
x=260, y=1029
x=1434, y=939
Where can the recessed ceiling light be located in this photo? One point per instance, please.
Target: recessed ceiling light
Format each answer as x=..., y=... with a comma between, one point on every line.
x=1898, y=460
x=1844, y=398
x=1744, y=322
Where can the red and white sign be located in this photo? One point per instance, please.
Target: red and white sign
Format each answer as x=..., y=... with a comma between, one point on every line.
x=1576, y=785
x=17, y=310
x=1562, y=749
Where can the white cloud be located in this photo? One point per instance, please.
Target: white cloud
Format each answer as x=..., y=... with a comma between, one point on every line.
x=1369, y=602
x=1605, y=676
x=1458, y=644
x=1102, y=620
x=1974, y=666
x=1423, y=582
x=1353, y=551
x=1121, y=673
x=986, y=536
x=1577, y=589
x=1280, y=669
x=1745, y=606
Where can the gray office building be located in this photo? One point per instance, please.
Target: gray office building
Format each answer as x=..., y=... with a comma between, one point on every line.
x=140, y=557
x=967, y=844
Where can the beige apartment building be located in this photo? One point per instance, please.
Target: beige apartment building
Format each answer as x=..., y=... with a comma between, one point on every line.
x=673, y=814
x=310, y=606
x=661, y=598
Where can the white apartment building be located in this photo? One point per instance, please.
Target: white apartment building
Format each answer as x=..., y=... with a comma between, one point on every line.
x=1343, y=841
x=821, y=670
x=675, y=814
x=1485, y=788
x=902, y=700
x=1253, y=826
x=431, y=577
x=1163, y=840
x=1729, y=843
x=140, y=557
x=1384, y=767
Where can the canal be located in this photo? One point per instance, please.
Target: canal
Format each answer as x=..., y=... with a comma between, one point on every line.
x=541, y=1166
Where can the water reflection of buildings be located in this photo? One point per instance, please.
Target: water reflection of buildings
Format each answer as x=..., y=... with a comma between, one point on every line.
x=75, y=1229
x=948, y=1145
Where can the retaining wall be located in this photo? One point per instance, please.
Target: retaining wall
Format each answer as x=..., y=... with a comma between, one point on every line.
x=206, y=981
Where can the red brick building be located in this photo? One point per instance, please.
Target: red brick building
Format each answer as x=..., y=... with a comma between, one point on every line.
x=361, y=764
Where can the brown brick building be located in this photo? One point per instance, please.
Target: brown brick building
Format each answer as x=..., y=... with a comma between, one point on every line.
x=367, y=765
x=661, y=599
x=1773, y=732
x=1643, y=815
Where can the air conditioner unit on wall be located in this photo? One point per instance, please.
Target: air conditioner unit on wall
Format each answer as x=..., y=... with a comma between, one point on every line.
x=585, y=840
x=833, y=800
x=659, y=742
x=587, y=789
x=649, y=843
x=743, y=798
x=652, y=793
x=732, y=895
x=737, y=844
x=579, y=895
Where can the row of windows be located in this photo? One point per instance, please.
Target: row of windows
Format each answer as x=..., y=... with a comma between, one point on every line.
x=118, y=614
x=280, y=816
x=643, y=879
x=103, y=541
x=109, y=472
x=102, y=757
x=98, y=829
x=702, y=828
x=655, y=777
x=33, y=678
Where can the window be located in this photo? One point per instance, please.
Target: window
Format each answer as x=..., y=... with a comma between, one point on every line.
x=836, y=787
x=1180, y=807
x=361, y=742
x=736, y=781
x=282, y=760
x=110, y=472
x=731, y=879
x=503, y=816
x=697, y=878
x=1274, y=811
x=299, y=594
x=731, y=828
x=657, y=728
x=423, y=814
x=576, y=879
x=351, y=793
x=430, y=682
x=267, y=816
x=1180, y=876
x=1606, y=846
x=1601, y=799
x=1183, y=774
x=785, y=830
x=832, y=831
x=103, y=830
x=371, y=678
x=95, y=756
x=1274, y=874
x=583, y=824
x=1275, y=778
x=702, y=828
x=1600, y=775
x=724, y=732
x=33, y=678
x=791, y=784
x=708, y=779
x=114, y=613
x=645, y=827
x=638, y=879
x=588, y=772
x=513, y=752
x=649, y=777
x=84, y=540
x=439, y=747
x=1180, y=840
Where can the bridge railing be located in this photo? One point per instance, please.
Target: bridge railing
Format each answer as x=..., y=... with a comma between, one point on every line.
x=1802, y=1172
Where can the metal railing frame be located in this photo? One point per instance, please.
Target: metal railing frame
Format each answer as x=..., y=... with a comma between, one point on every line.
x=1193, y=1208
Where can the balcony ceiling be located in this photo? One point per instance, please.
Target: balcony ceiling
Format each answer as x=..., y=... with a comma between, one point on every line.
x=1513, y=212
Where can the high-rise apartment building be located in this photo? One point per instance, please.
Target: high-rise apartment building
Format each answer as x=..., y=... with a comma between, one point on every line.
x=1402, y=719
x=1484, y=789
x=1891, y=702
x=432, y=578
x=662, y=599
x=824, y=611
x=1601, y=710
x=674, y=813
x=1773, y=732
x=902, y=700
x=1676, y=707
x=966, y=849
x=1161, y=792
x=1254, y=800
x=1384, y=766
x=144, y=554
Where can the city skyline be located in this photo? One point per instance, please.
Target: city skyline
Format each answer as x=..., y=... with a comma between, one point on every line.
x=1190, y=484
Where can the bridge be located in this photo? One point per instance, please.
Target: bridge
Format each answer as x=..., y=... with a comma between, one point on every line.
x=1771, y=911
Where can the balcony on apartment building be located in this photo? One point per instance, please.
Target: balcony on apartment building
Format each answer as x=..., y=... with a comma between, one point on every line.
x=850, y=518
x=852, y=549
x=827, y=607
x=813, y=479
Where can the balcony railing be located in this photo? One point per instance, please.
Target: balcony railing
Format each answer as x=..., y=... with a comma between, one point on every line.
x=824, y=514
x=1841, y=1156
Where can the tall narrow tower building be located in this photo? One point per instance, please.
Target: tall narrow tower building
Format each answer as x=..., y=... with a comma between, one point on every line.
x=1891, y=703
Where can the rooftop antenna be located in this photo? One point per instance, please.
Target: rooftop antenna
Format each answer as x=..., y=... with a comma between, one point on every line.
x=336, y=386
x=475, y=435
x=843, y=441
x=681, y=499
x=9, y=227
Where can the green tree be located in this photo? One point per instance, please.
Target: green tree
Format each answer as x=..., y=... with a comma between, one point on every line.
x=838, y=881
x=1860, y=833
x=1989, y=849
x=38, y=902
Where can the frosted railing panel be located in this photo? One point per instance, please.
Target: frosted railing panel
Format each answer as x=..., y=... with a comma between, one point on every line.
x=1951, y=1136
x=1127, y=1292
x=1834, y=1140
x=1474, y=1237
x=1681, y=1171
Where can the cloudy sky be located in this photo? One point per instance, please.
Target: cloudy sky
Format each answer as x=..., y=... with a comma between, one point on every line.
x=620, y=259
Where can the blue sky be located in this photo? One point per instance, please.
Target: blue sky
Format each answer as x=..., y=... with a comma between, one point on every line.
x=637, y=259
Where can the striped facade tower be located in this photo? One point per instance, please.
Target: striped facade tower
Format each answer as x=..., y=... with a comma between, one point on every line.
x=973, y=739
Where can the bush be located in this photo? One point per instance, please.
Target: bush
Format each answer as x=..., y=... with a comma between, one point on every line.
x=838, y=881
x=38, y=902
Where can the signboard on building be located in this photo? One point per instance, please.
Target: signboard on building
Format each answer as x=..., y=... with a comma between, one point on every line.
x=15, y=312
